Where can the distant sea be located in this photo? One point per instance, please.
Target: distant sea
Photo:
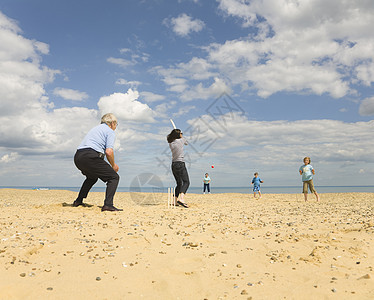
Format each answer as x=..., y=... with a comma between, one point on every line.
x=215, y=190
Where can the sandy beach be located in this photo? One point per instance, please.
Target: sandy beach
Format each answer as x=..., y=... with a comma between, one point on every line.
x=225, y=246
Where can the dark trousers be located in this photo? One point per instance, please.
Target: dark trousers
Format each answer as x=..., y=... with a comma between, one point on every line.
x=94, y=167
x=181, y=177
x=206, y=185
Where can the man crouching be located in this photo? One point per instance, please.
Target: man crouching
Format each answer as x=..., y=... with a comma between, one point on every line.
x=89, y=158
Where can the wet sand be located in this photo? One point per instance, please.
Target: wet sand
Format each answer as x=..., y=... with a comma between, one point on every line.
x=225, y=246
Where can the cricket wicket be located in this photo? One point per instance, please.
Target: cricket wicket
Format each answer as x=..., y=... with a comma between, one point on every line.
x=171, y=203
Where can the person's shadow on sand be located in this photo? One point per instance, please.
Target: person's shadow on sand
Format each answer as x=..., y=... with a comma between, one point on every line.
x=71, y=205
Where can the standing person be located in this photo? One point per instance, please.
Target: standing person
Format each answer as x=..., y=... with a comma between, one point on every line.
x=89, y=158
x=306, y=171
x=206, y=181
x=176, y=143
x=256, y=185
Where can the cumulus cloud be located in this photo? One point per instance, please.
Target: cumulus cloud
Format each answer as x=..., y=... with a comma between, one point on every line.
x=21, y=74
x=70, y=94
x=126, y=107
x=316, y=47
x=42, y=130
x=7, y=24
x=367, y=107
x=307, y=38
x=297, y=47
x=22, y=94
x=183, y=25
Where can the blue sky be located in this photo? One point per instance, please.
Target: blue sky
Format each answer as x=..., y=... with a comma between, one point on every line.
x=255, y=86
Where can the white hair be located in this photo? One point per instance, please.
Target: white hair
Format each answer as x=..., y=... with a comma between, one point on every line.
x=108, y=119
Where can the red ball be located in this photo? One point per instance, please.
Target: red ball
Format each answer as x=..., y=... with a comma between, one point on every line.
x=212, y=167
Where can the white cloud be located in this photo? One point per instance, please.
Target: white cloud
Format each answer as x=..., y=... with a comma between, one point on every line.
x=183, y=25
x=184, y=110
x=125, y=50
x=165, y=108
x=132, y=60
x=280, y=63
x=239, y=9
x=284, y=142
x=135, y=56
x=162, y=110
x=152, y=97
x=178, y=85
x=365, y=73
x=7, y=158
x=195, y=70
x=8, y=25
x=303, y=53
x=133, y=83
x=240, y=146
x=21, y=75
x=42, y=130
x=14, y=47
x=309, y=38
x=295, y=46
x=217, y=88
x=126, y=107
x=123, y=63
x=70, y=94
x=22, y=94
x=367, y=107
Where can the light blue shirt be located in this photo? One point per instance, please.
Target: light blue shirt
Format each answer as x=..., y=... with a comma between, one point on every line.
x=306, y=172
x=256, y=181
x=206, y=180
x=99, y=138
